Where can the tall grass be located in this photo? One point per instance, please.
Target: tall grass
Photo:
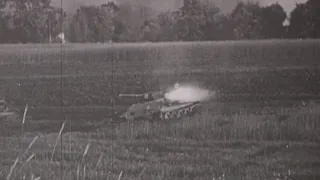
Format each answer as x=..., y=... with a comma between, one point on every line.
x=200, y=147
x=209, y=145
x=300, y=124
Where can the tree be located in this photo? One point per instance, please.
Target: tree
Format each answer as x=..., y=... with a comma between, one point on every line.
x=187, y=22
x=30, y=21
x=305, y=20
x=223, y=28
x=166, y=22
x=246, y=20
x=118, y=26
x=299, y=26
x=314, y=18
x=211, y=20
x=133, y=16
x=196, y=20
x=54, y=23
x=92, y=24
x=3, y=23
x=149, y=31
x=272, y=19
x=82, y=23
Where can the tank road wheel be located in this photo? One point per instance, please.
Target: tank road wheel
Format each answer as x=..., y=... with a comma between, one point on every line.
x=167, y=115
x=175, y=114
x=172, y=114
x=192, y=109
x=161, y=116
x=186, y=111
x=164, y=115
x=129, y=118
x=180, y=113
x=157, y=116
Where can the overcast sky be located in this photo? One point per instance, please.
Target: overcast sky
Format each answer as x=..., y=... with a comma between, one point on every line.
x=224, y=5
x=288, y=5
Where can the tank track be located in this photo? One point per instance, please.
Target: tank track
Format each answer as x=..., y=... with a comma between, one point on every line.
x=178, y=113
x=167, y=113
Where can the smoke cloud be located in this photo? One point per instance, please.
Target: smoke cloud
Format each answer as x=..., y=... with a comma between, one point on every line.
x=189, y=93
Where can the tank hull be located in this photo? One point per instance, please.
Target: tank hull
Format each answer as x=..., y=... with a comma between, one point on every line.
x=164, y=112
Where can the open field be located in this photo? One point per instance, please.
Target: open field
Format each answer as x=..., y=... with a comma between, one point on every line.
x=268, y=144
x=263, y=124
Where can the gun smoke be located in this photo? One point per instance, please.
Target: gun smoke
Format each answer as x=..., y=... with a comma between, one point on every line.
x=188, y=93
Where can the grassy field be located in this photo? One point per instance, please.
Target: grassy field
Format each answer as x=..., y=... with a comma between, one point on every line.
x=263, y=124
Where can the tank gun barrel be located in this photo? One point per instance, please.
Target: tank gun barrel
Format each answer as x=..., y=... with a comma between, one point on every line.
x=131, y=95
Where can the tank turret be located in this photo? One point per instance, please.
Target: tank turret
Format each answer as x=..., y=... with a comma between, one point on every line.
x=145, y=96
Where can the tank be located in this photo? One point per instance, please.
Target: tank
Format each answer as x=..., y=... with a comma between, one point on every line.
x=160, y=109
x=155, y=106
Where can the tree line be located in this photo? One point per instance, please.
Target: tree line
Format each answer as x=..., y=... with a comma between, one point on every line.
x=29, y=21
